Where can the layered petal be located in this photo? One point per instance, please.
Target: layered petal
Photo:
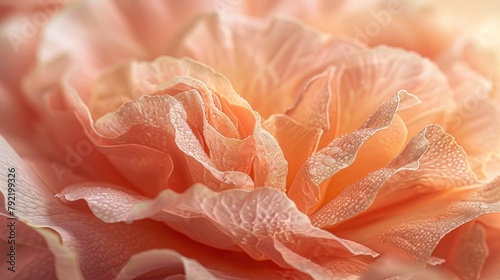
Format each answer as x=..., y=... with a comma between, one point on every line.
x=340, y=153
x=111, y=247
x=410, y=25
x=429, y=202
x=187, y=117
x=263, y=223
x=372, y=76
x=32, y=257
x=268, y=62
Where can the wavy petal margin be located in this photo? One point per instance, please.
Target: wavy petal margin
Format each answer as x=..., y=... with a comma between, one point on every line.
x=341, y=152
x=256, y=222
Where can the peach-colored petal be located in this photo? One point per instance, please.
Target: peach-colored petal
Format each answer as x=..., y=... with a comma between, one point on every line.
x=312, y=106
x=204, y=109
x=372, y=76
x=340, y=153
x=491, y=269
x=298, y=142
x=465, y=250
x=360, y=195
x=375, y=153
x=190, y=102
x=87, y=32
x=408, y=218
x=168, y=114
x=235, y=219
x=317, y=266
x=270, y=166
x=422, y=220
x=443, y=166
x=65, y=231
x=476, y=121
x=399, y=24
x=263, y=60
x=132, y=80
x=418, y=238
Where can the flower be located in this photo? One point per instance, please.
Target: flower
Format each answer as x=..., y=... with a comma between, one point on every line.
x=220, y=140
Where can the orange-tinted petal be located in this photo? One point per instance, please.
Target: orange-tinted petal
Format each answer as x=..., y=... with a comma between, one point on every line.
x=359, y=196
x=340, y=153
x=297, y=141
x=372, y=76
x=465, y=250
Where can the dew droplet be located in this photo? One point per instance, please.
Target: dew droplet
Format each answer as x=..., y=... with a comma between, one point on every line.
x=329, y=161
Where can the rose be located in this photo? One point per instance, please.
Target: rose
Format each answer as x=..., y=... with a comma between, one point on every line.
x=471, y=64
x=181, y=123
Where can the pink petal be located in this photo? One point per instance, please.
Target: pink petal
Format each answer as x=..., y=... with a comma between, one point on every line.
x=66, y=230
x=33, y=258
x=19, y=38
x=340, y=153
x=91, y=40
x=491, y=268
x=171, y=261
x=263, y=60
x=239, y=220
x=15, y=115
x=74, y=236
x=374, y=22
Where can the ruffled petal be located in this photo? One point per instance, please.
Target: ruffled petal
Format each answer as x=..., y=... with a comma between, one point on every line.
x=190, y=115
x=313, y=105
x=167, y=113
x=236, y=220
x=444, y=166
x=298, y=142
x=427, y=209
x=263, y=60
x=357, y=197
x=65, y=231
x=340, y=153
x=372, y=76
